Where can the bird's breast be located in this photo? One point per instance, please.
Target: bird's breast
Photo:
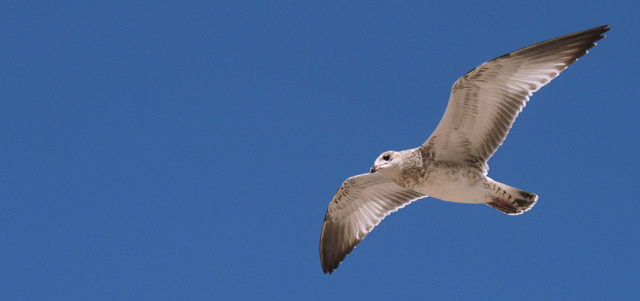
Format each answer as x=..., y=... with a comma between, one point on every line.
x=454, y=184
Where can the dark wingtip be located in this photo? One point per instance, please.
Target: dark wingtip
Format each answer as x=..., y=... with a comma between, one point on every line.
x=328, y=268
x=602, y=29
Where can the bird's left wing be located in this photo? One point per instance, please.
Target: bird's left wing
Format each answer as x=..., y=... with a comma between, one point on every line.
x=484, y=102
x=359, y=205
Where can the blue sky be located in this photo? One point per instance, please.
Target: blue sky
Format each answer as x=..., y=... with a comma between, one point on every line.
x=170, y=150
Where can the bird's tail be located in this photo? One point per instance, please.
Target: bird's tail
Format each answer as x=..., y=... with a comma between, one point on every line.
x=509, y=200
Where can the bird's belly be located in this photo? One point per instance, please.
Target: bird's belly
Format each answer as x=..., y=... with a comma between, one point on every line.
x=460, y=187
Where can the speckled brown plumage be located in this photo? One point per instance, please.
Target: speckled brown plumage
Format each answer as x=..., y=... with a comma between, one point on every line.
x=452, y=164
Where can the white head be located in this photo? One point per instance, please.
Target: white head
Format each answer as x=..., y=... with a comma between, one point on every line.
x=388, y=163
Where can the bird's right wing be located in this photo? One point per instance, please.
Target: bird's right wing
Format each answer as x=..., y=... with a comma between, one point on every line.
x=359, y=205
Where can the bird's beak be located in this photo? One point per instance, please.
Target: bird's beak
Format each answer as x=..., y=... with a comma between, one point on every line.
x=374, y=169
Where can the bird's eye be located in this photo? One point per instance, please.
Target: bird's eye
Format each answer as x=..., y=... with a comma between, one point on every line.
x=386, y=157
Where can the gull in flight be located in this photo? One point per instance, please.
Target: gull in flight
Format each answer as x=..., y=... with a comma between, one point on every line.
x=452, y=164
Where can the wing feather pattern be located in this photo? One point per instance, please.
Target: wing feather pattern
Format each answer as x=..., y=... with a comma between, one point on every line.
x=359, y=205
x=485, y=102
x=483, y=105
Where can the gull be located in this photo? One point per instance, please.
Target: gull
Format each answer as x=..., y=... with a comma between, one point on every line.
x=452, y=164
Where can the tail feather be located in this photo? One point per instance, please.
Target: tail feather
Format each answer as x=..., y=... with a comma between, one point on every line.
x=509, y=200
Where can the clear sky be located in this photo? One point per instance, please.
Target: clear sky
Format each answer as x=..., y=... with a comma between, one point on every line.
x=172, y=150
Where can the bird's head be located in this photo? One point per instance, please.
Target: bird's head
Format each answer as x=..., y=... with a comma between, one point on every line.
x=387, y=163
